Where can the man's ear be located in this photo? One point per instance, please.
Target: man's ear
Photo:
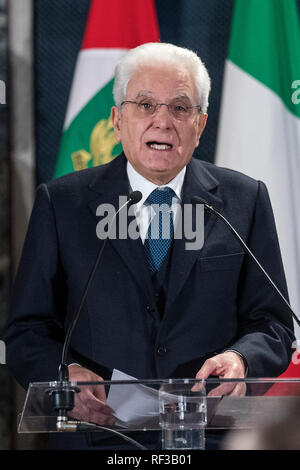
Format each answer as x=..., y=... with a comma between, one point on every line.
x=204, y=117
x=201, y=124
x=116, y=118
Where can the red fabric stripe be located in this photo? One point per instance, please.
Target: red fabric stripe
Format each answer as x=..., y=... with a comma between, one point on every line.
x=120, y=24
x=292, y=372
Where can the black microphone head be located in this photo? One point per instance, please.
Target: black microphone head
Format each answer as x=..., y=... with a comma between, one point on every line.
x=134, y=197
x=198, y=200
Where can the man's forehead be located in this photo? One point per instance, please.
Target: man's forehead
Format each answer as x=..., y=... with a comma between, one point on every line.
x=174, y=80
x=151, y=94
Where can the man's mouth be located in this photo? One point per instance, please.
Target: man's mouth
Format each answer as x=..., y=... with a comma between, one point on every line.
x=159, y=145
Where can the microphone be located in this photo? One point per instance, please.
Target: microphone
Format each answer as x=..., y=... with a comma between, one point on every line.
x=209, y=208
x=64, y=394
x=133, y=198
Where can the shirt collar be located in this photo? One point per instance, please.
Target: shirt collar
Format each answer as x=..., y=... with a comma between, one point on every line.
x=139, y=183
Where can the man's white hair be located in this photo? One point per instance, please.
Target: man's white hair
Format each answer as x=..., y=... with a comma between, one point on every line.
x=155, y=54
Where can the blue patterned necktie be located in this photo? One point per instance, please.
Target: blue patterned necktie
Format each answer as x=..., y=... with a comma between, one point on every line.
x=161, y=228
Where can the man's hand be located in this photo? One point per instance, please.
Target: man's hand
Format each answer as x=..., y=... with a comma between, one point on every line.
x=90, y=403
x=227, y=365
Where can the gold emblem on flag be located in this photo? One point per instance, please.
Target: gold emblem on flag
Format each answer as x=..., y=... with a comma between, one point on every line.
x=102, y=143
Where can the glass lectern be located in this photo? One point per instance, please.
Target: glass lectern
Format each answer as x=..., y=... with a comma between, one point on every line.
x=183, y=409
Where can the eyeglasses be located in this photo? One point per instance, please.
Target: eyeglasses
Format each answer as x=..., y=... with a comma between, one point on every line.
x=177, y=108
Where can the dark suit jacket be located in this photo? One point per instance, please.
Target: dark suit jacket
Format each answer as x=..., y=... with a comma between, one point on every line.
x=216, y=297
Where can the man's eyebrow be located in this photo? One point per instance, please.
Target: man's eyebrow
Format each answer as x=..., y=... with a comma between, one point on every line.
x=182, y=96
x=144, y=93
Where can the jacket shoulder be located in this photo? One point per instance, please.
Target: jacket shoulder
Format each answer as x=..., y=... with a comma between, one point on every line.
x=226, y=176
x=77, y=179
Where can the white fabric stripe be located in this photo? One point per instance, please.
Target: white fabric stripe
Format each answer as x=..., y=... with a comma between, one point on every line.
x=260, y=137
x=94, y=69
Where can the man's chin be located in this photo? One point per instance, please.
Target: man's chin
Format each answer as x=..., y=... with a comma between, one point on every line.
x=160, y=174
x=161, y=165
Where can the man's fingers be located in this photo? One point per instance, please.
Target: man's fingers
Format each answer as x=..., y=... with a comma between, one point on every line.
x=239, y=390
x=198, y=387
x=84, y=413
x=227, y=365
x=209, y=367
x=89, y=400
x=96, y=405
x=230, y=389
x=99, y=392
x=220, y=390
x=90, y=403
x=100, y=418
x=89, y=408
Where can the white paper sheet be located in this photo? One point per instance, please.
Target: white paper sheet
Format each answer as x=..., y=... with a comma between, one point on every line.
x=132, y=404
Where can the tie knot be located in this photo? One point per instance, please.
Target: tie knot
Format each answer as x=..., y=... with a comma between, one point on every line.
x=161, y=196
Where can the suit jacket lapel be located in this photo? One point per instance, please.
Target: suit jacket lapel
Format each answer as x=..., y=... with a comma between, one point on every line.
x=198, y=182
x=108, y=186
x=111, y=182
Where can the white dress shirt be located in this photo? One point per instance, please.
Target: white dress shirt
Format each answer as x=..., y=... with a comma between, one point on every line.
x=144, y=212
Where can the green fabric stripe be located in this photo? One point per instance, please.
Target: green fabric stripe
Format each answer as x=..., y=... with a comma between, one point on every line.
x=77, y=136
x=265, y=42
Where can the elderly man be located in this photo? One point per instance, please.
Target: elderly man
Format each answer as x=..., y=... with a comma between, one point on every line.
x=153, y=310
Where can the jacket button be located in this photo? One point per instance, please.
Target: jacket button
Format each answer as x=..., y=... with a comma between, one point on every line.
x=161, y=350
x=150, y=309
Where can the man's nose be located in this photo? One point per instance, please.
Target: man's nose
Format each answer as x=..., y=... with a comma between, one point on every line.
x=162, y=116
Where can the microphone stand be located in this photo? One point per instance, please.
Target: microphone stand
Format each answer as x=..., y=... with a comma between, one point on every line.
x=63, y=393
x=198, y=200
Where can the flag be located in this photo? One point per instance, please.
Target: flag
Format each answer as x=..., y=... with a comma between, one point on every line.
x=259, y=130
x=288, y=387
x=112, y=28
